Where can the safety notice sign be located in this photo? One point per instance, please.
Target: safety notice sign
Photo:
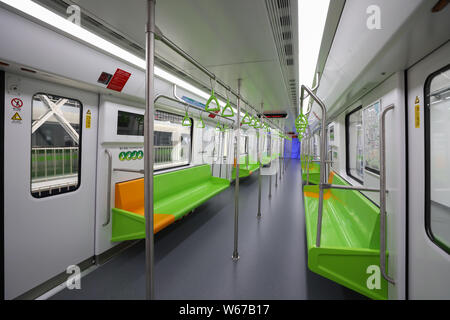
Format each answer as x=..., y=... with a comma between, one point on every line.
x=17, y=103
x=16, y=117
x=119, y=80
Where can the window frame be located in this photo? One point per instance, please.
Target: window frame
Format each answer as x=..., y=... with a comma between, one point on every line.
x=119, y=111
x=347, y=142
x=427, y=164
x=80, y=148
x=191, y=147
x=371, y=170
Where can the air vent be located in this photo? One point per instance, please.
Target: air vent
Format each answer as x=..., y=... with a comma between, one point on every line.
x=288, y=49
x=287, y=35
x=285, y=20
x=283, y=4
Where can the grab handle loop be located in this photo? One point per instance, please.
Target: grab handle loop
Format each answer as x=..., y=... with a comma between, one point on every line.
x=201, y=124
x=219, y=127
x=229, y=109
x=212, y=98
x=187, y=121
x=247, y=119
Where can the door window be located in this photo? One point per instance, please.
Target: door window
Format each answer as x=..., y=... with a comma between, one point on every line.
x=437, y=146
x=55, y=145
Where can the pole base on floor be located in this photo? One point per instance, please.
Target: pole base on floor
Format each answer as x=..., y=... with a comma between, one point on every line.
x=235, y=257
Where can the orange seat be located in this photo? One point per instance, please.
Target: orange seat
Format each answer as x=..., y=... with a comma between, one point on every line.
x=129, y=197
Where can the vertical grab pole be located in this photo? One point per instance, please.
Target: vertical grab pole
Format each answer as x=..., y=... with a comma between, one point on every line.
x=322, y=159
x=279, y=154
x=235, y=256
x=383, y=194
x=258, y=155
x=308, y=157
x=148, y=148
x=279, y=158
x=270, y=156
x=108, y=194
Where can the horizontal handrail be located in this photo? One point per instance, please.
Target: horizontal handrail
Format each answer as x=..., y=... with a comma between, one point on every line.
x=334, y=186
x=130, y=170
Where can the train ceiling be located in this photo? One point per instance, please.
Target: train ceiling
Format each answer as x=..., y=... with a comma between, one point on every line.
x=361, y=58
x=255, y=40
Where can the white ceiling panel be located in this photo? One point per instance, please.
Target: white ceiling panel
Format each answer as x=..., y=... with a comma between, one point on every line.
x=233, y=39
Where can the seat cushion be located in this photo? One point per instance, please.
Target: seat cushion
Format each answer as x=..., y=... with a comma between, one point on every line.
x=183, y=202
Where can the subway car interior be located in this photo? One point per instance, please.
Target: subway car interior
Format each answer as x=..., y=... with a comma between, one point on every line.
x=225, y=150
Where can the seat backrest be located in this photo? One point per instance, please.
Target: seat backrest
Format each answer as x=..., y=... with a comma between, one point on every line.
x=129, y=195
x=362, y=214
x=174, y=182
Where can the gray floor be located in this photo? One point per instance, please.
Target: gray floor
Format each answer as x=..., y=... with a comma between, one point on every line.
x=193, y=256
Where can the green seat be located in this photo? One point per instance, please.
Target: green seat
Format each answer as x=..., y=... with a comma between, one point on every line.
x=350, y=238
x=244, y=170
x=175, y=193
x=314, y=172
x=186, y=195
x=265, y=160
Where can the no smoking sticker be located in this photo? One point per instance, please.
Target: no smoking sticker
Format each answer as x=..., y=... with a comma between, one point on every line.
x=17, y=103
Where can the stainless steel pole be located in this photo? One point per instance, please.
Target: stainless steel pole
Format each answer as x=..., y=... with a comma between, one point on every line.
x=236, y=188
x=322, y=158
x=383, y=194
x=270, y=186
x=258, y=152
x=148, y=148
x=279, y=158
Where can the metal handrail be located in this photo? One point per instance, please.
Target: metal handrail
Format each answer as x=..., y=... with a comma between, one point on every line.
x=108, y=194
x=383, y=194
x=334, y=186
x=141, y=171
x=180, y=100
x=322, y=158
x=323, y=185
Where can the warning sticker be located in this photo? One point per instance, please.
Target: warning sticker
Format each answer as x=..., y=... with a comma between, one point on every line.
x=88, y=119
x=17, y=103
x=417, y=112
x=417, y=116
x=119, y=80
x=16, y=117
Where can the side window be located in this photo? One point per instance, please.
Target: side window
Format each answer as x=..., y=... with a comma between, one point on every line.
x=355, y=148
x=55, y=145
x=172, y=141
x=437, y=157
x=371, y=116
x=130, y=124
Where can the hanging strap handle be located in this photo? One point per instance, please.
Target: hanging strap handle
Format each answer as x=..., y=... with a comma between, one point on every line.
x=228, y=111
x=212, y=98
x=201, y=124
x=187, y=121
x=219, y=127
x=247, y=119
